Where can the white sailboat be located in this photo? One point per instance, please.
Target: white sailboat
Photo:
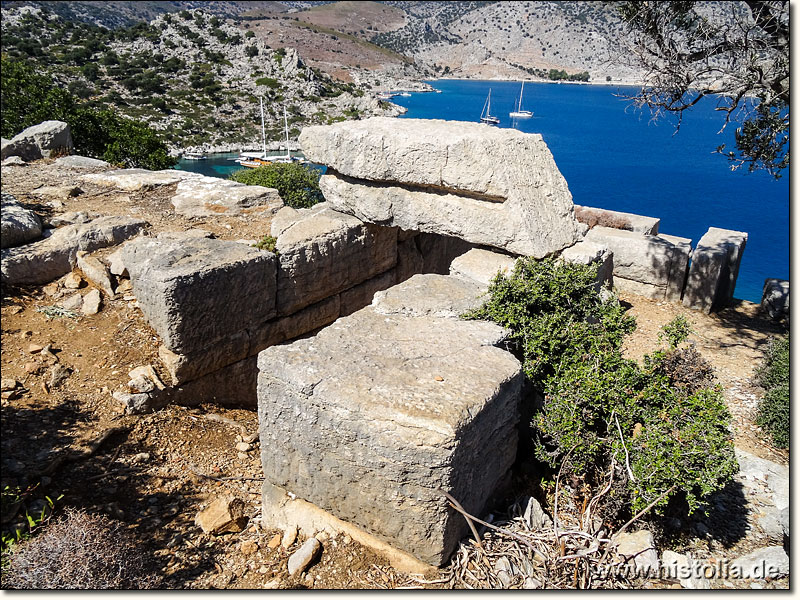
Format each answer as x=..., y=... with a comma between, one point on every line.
x=258, y=159
x=486, y=115
x=518, y=112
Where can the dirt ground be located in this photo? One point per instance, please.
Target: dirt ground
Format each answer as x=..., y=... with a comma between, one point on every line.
x=155, y=472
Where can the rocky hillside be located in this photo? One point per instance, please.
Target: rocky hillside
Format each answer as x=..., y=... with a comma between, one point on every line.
x=193, y=75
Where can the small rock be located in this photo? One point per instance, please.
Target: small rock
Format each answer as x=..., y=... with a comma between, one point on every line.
x=73, y=302
x=323, y=536
x=91, y=303
x=535, y=516
x=274, y=542
x=141, y=457
x=249, y=547
x=58, y=375
x=243, y=447
x=289, y=536
x=346, y=540
x=34, y=348
x=95, y=272
x=7, y=384
x=13, y=160
x=32, y=367
x=681, y=567
x=531, y=583
x=141, y=384
x=124, y=286
x=250, y=438
x=136, y=404
x=300, y=560
x=51, y=289
x=148, y=372
x=764, y=562
x=223, y=515
x=639, y=546
x=504, y=571
x=242, y=455
x=73, y=281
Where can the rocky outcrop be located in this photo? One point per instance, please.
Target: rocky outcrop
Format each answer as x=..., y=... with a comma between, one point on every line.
x=617, y=220
x=775, y=298
x=19, y=225
x=496, y=187
x=39, y=141
x=379, y=412
x=56, y=255
x=714, y=269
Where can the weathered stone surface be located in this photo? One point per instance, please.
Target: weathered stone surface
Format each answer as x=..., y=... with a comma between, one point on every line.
x=587, y=253
x=764, y=562
x=535, y=516
x=55, y=255
x=409, y=259
x=233, y=385
x=72, y=302
x=482, y=266
x=209, y=196
x=617, y=220
x=19, y=225
x=377, y=412
x=95, y=272
x=195, y=291
x=323, y=252
x=439, y=251
x=768, y=482
x=223, y=515
x=775, y=298
x=300, y=323
x=361, y=295
x=115, y=264
x=91, y=303
x=81, y=162
x=683, y=569
x=72, y=218
x=133, y=180
x=39, y=141
x=498, y=187
x=714, y=269
x=195, y=364
x=13, y=161
x=430, y=295
x=650, y=266
x=639, y=548
x=138, y=404
x=303, y=556
x=58, y=191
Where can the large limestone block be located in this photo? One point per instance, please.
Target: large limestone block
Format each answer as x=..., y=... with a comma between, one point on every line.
x=39, y=141
x=430, y=294
x=305, y=320
x=649, y=265
x=361, y=295
x=134, y=180
x=422, y=174
x=195, y=290
x=439, y=251
x=323, y=252
x=81, y=162
x=19, y=225
x=589, y=253
x=195, y=364
x=56, y=255
x=377, y=413
x=617, y=220
x=208, y=196
x=775, y=298
x=482, y=266
x=714, y=269
x=233, y=385
x=409, y=259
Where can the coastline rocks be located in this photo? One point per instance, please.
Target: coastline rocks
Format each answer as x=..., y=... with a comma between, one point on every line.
x=19, y=225
x=487, y=186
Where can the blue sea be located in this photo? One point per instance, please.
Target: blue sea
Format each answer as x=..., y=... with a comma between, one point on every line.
x=615, y=157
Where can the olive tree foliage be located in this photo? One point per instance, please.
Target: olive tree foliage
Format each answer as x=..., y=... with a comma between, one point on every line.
x=737, y=51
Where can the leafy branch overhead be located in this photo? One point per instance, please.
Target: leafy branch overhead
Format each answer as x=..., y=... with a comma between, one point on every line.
x=738, y=51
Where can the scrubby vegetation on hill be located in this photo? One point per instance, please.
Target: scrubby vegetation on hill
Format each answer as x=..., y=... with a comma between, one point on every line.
x=298, y=185
x=773, y=375
x=658, y=430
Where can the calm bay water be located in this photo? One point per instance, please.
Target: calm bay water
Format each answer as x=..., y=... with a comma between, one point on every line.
x=613, y=157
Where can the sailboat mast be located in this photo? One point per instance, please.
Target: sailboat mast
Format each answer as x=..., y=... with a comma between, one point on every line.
x=263, y=131
x=286, y=128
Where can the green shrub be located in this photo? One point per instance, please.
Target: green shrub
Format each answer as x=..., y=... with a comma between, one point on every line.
x=298, y=185
x=666, y=431
x=269, y=82
x=773, y=376
x=266, y=243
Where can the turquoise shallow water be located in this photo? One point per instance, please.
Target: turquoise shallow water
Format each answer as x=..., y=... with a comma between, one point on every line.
x=614, y=157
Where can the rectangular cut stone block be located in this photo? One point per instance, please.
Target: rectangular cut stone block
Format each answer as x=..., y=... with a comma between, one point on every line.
x=429, y=294
x=323, y=252
x=775, y=298
x=300, y=323
x=681, y=253
x=588, y=253
x=714, y=269
x=233, y=385
x=497, y=187
x=377, y=413
x=482, y=266
x=648, y=265
x=361, y=295
x=186, y=367
x=617, y=220
x=195, y=291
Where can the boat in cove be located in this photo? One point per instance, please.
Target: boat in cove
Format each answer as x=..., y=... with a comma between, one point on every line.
x=253, y=160
x=194, y=156
x=486, y=114
x=519, y=112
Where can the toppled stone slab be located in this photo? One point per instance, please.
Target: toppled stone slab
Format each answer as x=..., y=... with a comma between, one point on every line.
x=92, y=302
x=81, y=162
x=376, y=413
x=55, y=255
x=209, y=196
x=497, y=187
x=430, y=295
x=589, y=253
x=714, y=269
x=653, y=266
x=482, y=266
x=323, y=252
x=775, y=298
x=195, y=291
x=95, y=272
x=19, y=225
x=39, y=141
x=133, y=180
x=617, y=220
x=303, y=556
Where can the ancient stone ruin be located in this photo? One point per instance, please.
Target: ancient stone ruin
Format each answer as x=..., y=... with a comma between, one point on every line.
x=374, y=397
